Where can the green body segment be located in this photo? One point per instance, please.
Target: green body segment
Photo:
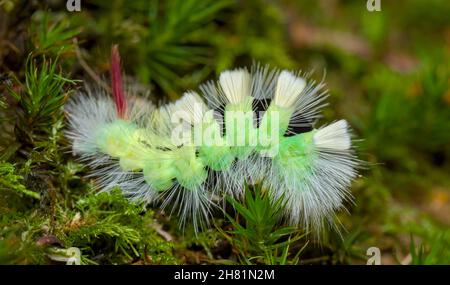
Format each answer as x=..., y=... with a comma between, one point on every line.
x=240, y=132
x=179, y=164
x=160, y=173
x=114, y=138
x=218, y=158
x=296, y=155
x=273, y=126
x=133, y=159
x=123, y=140
x=213, y=148
x=190, y=169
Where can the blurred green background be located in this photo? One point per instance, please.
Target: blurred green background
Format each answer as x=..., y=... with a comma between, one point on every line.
x=388, y=74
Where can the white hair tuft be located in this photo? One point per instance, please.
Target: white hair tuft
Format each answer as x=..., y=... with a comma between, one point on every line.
x=235, y=85
x=334, y=136
x=289, y=87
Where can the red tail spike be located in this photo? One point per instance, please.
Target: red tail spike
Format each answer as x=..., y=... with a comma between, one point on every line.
x=116, y=83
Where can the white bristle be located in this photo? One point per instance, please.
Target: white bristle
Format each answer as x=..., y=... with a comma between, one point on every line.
x=289, y=87
x=235, y=85
x=334, y=136
x=193, y=105
x=190, y=109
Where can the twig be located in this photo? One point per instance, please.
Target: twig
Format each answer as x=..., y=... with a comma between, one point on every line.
x=407, y=260
x=314, y=260
x=158, y=228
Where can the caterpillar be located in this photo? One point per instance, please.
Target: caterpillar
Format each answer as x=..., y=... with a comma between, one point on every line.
x=249, y=126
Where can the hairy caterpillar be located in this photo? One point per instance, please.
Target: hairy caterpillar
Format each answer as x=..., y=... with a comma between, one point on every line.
x=254, y=126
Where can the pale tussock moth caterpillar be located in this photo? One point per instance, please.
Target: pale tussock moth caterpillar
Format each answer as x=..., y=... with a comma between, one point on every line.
x=253, y=127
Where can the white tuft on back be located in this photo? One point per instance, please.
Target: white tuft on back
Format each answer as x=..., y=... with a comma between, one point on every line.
x=334, y=136
x=235, y=85
x=193, y=106
x=289, y=87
